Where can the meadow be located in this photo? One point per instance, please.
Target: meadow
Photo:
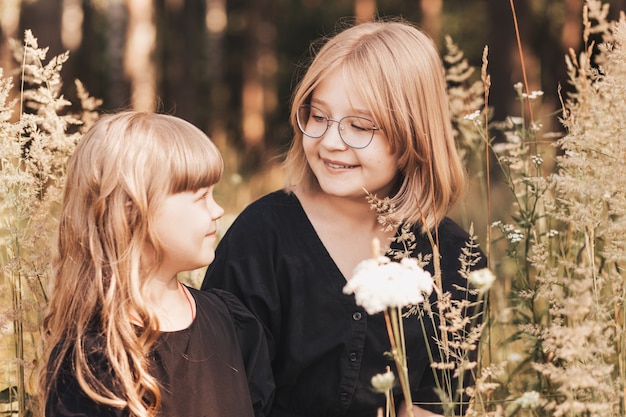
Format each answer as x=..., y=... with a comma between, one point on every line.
x=549, y=208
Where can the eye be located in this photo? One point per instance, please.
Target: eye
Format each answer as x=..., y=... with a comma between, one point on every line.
x=360, y=124
x=318, y=116
x=202, y=193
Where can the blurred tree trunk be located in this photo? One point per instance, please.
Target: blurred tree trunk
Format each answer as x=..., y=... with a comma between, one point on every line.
x=140, y=45
x=259, y=79
x=44, y=19
x=72, y=17
x=183, y=58
x=115, y=33
x=364, y=10
x=552, y=48
x=504, y=62
x=617, y=6
x=216, y=20
x=431, y=18
x=9, y=25
x=571, y=34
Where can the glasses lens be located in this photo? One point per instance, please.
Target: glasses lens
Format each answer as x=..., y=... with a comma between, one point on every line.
x=357, y=132
x=312, y=121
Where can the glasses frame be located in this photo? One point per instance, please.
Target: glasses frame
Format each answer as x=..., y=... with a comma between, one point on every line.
x=328, y=122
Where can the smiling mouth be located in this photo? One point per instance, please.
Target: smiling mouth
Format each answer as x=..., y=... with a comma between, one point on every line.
x=338, y=166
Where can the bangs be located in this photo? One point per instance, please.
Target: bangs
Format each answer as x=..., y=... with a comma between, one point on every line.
x=194, y=165
x=190, y=159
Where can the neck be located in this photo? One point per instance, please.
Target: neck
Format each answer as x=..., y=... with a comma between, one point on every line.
x=172, y=303
x=348, y=210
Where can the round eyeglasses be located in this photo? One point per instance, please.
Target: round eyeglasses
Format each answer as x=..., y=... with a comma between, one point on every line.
x=356, y=132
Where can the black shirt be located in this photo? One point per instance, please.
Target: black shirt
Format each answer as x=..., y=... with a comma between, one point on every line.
x=210, y=369
x=324, y=347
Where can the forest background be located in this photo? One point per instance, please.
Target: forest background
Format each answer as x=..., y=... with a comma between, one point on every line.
x=229, y=66
x=546, y=198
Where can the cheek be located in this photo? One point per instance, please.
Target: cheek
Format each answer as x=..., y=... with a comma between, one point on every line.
x=308, y=146
x=383, y=157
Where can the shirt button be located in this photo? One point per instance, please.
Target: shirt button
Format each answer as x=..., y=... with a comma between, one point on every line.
x=356, y=315
x=352, y=356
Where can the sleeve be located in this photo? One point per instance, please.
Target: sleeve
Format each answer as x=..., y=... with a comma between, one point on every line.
x=254, y=352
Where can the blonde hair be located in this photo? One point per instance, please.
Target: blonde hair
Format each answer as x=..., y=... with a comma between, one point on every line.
x=119, y=173
x=401, y=79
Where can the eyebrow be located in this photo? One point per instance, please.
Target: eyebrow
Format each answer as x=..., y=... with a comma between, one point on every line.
x=357, y=112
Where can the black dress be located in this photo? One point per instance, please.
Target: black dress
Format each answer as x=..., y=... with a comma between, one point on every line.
x=324, y=347
x=217, y=367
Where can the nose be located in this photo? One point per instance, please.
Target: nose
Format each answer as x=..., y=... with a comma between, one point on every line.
x=332, y=137
x=215, y=209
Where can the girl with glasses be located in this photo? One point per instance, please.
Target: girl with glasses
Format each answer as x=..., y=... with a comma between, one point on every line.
x=124, y=336
x=370, y=116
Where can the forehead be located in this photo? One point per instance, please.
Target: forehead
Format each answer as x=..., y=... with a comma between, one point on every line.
x=338, y=93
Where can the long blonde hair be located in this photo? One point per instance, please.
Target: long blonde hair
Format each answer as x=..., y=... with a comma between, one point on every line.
x=120, y=171
x=401, y=78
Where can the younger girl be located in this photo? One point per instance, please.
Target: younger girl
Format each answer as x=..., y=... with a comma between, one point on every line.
x=124, y=336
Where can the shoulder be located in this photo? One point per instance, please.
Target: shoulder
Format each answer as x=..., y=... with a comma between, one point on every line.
x=454, y=244
x=452, y=235
x=277, y=200
x=224, y=302
x=272, y=206
x=272, y=216
x=448, y=234
x=459, y=248
x=209, y=301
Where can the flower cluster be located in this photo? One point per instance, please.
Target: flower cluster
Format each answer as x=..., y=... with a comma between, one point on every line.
x=379, y=283
x=482, y=279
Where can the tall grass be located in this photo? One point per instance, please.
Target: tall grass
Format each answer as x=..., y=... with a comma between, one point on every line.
x=556, y=340
x=37, y=135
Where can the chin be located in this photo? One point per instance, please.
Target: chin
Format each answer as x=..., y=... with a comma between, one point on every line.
x=208, y=260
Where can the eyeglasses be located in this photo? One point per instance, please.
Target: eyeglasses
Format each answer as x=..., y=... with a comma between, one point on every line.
x=356, y=132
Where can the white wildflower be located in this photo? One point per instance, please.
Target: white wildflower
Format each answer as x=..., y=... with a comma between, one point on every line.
x=553, y=233
x=529, y=399
x=534, y=95
x=500, y=148
x=378, y=284
x=513, y=137
x=482, y=279
x=515, y=236
x=536, y=159
x=508, y=228
x=473, y=116
x=383, y=382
